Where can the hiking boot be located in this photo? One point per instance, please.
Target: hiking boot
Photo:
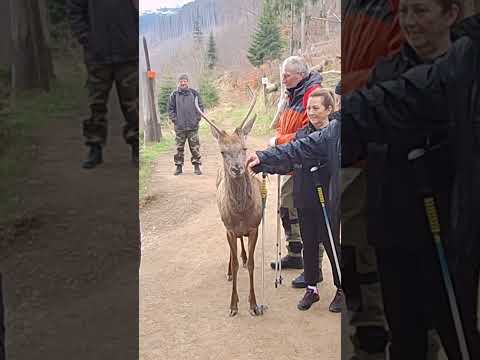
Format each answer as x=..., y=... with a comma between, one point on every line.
x=290, y=262
x=337, y=302
x=299, y=281
x=196, y=169
x=308, y=300
x=135, y=155
x=94, y=157
x=178, y=170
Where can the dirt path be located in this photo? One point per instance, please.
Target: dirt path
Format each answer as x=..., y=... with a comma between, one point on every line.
x=184, y=295
x=70, y=263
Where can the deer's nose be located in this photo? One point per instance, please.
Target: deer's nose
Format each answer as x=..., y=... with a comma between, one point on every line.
x=236, y=170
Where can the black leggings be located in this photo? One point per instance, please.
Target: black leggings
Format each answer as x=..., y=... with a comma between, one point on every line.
x=314, y=231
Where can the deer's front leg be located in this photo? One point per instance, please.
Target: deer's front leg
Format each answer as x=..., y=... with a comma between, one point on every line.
x=244, y=253
x=252, y=241
x=232, y=241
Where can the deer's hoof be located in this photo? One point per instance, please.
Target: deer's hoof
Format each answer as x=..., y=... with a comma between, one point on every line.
x=233, y=312
x=256, y=311
x=229, y=277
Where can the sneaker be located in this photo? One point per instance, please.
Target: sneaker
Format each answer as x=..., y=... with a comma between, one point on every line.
x=94, y=157
x=308, y=300
x=299, y=282
x=178, y=170
x=337, y=302
x=196, y=169
x=290, y=262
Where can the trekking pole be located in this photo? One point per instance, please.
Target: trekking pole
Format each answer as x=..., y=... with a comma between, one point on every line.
x=278, y=262
x=434, y=224
x=321, y=198
x=263, y=192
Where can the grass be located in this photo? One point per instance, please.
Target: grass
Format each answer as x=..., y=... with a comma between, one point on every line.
x=33, y=109
x=148, y=155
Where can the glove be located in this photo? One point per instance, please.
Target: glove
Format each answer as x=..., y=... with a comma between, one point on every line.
x=272, y=141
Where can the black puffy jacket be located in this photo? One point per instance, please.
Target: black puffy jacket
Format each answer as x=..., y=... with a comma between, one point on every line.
x=108, y=29
x=394, y=209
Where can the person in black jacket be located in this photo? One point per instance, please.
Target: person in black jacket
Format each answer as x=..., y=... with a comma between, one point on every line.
x=395, y=221
x=312, y=226
x=185, y=118
x=428, y=100
x=108, y=32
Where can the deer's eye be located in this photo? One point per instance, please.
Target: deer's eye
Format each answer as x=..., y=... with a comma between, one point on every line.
x=245, y=149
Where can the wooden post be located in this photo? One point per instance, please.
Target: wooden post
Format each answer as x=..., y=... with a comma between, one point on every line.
x=152, y=119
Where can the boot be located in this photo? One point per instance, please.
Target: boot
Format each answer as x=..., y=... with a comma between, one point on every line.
x=196, y=169
x=178, y=171
x=299, y=282
x=94, y=157
x=135, y=155
x=290, y=262
x=337, y=302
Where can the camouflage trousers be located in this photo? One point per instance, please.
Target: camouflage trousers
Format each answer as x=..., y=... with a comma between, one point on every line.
x=290, y=222
x=101, y=78
x=181, y=136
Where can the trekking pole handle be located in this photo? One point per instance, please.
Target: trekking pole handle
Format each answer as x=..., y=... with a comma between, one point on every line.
x=319, y=188
x=263, y=187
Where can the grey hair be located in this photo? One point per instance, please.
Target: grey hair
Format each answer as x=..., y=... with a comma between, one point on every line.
x=297, y=64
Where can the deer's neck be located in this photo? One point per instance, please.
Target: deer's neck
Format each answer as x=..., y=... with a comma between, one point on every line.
x=240, y=191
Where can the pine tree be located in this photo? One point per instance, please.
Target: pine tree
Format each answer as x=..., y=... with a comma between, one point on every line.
x=197, y=32
x=267, y=43
x=211, y=52
x=208, y=91
x=166, y=88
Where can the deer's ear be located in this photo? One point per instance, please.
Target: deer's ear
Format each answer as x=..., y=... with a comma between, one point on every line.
x=249, y=125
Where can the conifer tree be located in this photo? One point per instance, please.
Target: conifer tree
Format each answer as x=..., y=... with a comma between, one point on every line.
x=211, y=52
x=267, y=43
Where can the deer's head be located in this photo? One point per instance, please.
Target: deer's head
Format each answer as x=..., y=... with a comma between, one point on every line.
x=233, y=146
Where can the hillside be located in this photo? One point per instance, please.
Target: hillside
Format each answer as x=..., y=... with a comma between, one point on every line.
x=169, y=34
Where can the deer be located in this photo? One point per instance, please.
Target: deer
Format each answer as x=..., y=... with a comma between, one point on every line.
x=239, y=200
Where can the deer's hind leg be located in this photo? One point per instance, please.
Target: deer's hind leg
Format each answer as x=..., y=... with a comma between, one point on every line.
x=244, y=253
x=252, y=241
x=229, y=272
x=232, y=241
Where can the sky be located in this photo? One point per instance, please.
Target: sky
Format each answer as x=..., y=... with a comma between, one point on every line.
x=156, y=4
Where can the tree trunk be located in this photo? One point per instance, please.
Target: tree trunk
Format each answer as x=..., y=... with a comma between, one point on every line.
x=302, y=29
x=32, y=65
